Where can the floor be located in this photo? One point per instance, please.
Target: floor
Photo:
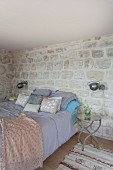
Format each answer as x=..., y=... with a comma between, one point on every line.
x=53, y=161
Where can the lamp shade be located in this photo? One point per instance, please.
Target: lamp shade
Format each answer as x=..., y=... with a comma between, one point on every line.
x=94, y=86
x=20, y=85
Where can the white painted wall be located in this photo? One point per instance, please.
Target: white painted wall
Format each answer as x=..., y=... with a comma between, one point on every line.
x=36, y=23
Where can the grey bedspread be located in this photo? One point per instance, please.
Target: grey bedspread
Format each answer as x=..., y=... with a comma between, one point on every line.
x=56, y=128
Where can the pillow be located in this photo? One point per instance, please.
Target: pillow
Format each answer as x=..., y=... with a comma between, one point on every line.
x=71, y=107
x=66, y=98
x=22, y=100
x=60, y=100
x=31, y=107
x=42, y=92
x=35, y=99
x=50, y=105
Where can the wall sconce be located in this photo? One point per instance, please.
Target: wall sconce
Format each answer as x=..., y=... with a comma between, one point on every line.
x=96, y=85
x=21, y=84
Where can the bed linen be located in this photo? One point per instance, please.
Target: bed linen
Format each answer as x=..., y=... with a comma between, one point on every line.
x=56, y=128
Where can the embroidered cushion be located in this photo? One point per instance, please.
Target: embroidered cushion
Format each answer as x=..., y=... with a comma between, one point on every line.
x=35, y=99
x=50, y=105
x=60, y=100
x=22, y=100
x=31, y=107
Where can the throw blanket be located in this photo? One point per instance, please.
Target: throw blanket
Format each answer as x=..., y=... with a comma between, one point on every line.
x=22, y=146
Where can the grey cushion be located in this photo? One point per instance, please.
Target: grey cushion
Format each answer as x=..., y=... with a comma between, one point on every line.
x=42, y=92
x=66, y=98
x=31, y=107
x=35, y=99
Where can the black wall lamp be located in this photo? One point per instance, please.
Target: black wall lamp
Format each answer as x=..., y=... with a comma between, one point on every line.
x=96, y=85
x=21, y=84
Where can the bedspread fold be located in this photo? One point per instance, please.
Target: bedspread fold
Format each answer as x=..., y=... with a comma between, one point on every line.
x=22, y=143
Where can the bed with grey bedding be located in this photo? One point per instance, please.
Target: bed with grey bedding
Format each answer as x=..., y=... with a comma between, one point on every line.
x=56, y=128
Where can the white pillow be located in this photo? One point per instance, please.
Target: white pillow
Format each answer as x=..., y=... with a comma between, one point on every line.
x=60, y=100
x=22, y=100
x=49, y=105
x=31, y=107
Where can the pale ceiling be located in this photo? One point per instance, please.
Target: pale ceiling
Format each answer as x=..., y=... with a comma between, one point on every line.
x=36, y=23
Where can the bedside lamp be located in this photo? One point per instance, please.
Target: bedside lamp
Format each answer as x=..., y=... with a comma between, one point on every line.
x=96, y=85
x=21, y=84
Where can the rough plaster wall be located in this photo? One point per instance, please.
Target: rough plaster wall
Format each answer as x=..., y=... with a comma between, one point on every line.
x=6, y=73
x=70, y=67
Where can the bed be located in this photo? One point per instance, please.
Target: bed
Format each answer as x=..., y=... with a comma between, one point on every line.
x=56, y=128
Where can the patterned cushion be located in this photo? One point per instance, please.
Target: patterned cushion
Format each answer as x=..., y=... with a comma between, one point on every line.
x=60, y=100
x=31, y=107
x=42, y=92
x=35, y=99
x=50, y=105
x=22, y=100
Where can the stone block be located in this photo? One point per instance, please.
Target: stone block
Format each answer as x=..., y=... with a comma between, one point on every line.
x=88, y=63
x=40, y=83
x=50, y=83
x=33, y=75
x=75, y=84
x=59, y=50
x=61, y=83
x=109, y=75
x=38, y=59
x=46, y=58
x=66, y=75
x=109, y=52
x=30, y=60
x=90, y=44
x=75, y=64
x=24, y=75
x=41, y=66
x=80, y=75
x=54, y=57
x=62, y=56
x=2, y=69
x=97, y=53
x=26, y=67
x=50, y=66
x=58, y=65
x=6, y=59
x=45, y=75
x=50, y=51
x=66, y=64
x=72, y=47
x=82, y=93
x=83, y=54
x=108, y=103
x=105, y=43
x=72, y=55
x=33, y=67
x=103, y=64
x=95, y=75
x=55, y=75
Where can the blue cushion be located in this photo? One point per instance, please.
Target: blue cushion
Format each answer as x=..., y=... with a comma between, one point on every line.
x=72, y=108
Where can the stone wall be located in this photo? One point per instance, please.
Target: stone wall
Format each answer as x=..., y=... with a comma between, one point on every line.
x=6, y=73
x=69, y=67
